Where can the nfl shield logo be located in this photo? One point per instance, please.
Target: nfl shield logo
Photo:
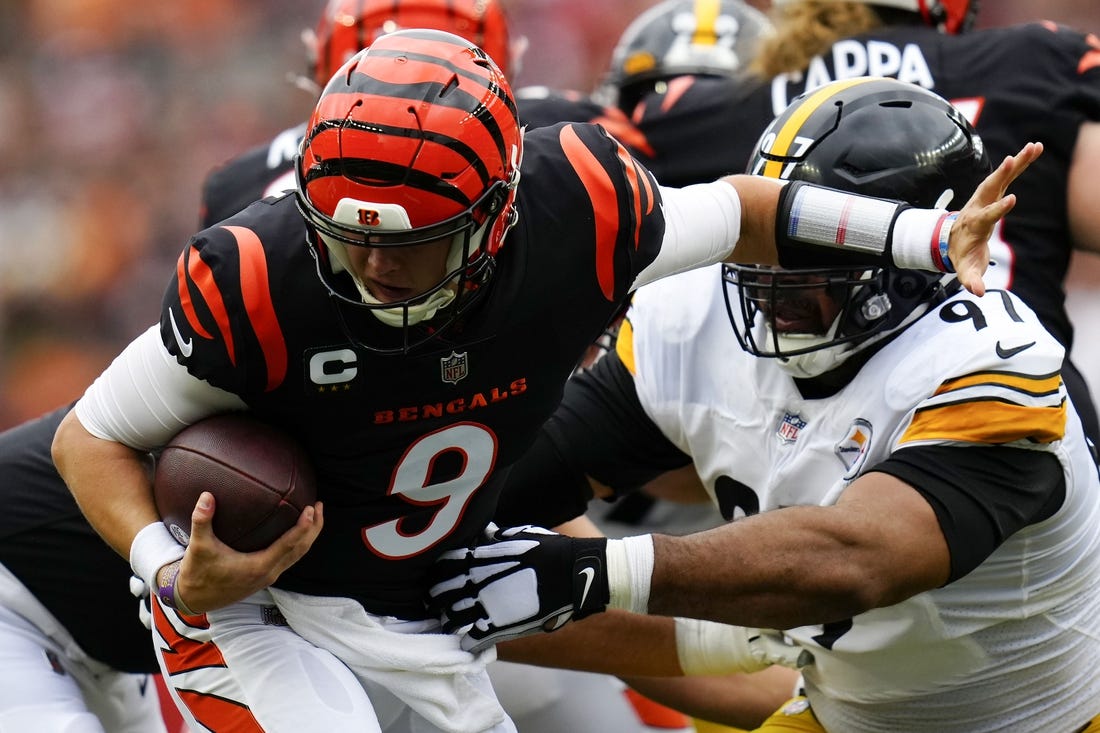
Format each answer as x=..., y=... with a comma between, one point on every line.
x=789, y=428
x=453, y=367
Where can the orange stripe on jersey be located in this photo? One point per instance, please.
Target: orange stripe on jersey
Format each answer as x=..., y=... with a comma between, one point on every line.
x=676, y=89
x=185, y=294
x=605, y=205
x=1044, y=385
x=200, y=274
x=624, y=346
x=220, y=714
x=988, y=421
x=632, y=175
x=258, y=305
x=647, y=187
x=1091, y=59
x=183, y=654
x=622, y=129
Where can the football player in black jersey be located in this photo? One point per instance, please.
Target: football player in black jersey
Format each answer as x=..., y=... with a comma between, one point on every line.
x=67, y=664
x=381, y=316
x=1037, y=81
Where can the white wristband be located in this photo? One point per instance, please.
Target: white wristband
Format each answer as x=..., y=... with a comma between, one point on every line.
x=708, y=647
x=916, y=233
x=153, y=548
x=629, y=571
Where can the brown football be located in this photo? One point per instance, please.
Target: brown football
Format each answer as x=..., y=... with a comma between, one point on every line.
x=260, y=477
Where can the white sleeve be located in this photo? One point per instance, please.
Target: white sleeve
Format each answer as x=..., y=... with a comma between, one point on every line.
x=145, y=397
x=702, y=225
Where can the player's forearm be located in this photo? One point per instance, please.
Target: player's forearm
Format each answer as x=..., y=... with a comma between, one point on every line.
x=782, y=569
x=110, y=482
x=606, y=643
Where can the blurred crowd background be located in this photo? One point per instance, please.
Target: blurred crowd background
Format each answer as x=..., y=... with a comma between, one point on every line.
x=112, y=112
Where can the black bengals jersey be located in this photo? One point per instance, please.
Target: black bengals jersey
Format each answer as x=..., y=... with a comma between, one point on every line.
x=410, y=449
x=48, y=544
x=265, y=170
x=1035, y=82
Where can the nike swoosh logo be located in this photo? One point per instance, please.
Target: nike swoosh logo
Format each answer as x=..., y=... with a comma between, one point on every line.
x=589, y=575
x=1009, y=353
x=186, y=347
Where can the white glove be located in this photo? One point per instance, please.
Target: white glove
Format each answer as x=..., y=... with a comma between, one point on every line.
x=708, y=648
x=141, y=592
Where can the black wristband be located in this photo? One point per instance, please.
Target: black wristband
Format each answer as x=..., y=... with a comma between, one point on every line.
x=591, y=591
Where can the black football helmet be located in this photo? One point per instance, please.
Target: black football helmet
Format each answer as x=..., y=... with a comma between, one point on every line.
x=681, y=38
x=949, y=16
x=873, y=136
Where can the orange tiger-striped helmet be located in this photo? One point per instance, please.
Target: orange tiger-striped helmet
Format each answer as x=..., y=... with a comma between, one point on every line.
x=348, y=26
x=414, y=140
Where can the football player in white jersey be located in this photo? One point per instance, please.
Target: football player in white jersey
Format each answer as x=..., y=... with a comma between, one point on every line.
x=911, y=495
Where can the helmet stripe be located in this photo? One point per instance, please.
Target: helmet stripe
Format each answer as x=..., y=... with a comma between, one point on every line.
x=706, y=19
x=785, y=136
x=434, y=91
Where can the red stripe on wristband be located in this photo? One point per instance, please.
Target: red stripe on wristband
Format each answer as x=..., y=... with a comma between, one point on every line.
x=941, y=242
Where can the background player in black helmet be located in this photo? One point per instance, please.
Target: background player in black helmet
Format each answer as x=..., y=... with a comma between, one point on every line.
x=664, y=48
x=1036, y=81
x=682, y=40
x=912, y=497
x=381, y=316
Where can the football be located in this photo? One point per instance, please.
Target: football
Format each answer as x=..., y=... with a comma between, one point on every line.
x=260, y=477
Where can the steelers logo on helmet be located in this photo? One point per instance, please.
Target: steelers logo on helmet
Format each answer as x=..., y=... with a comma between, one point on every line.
x=348, y=26
x=949, y=16
x=680, y=38
x=872, y=136
x=414, y=141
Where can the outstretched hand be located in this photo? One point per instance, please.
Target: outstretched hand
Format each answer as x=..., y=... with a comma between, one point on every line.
x=214, y=575
x=519, y=581
x=968, y=246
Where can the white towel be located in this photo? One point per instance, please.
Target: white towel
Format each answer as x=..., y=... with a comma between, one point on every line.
x=424, y=668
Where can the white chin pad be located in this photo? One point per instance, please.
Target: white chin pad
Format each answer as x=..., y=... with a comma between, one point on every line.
x=368, y=215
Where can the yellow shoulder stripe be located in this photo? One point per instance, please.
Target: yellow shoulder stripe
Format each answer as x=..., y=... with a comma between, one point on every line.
x=990, y=422
x=1042, y=385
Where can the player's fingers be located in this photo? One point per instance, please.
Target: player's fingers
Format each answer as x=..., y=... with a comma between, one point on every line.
x=202, y=522
x=296, y=541
x=996, y=183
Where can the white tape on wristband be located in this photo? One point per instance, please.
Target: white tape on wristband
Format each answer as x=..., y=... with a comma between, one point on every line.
x=629, y=571
x=707, y=647
x=153, y=548
x=916, y=234
x=829, y=218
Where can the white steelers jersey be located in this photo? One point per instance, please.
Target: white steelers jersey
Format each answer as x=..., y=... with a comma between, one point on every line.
x=971, y=371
